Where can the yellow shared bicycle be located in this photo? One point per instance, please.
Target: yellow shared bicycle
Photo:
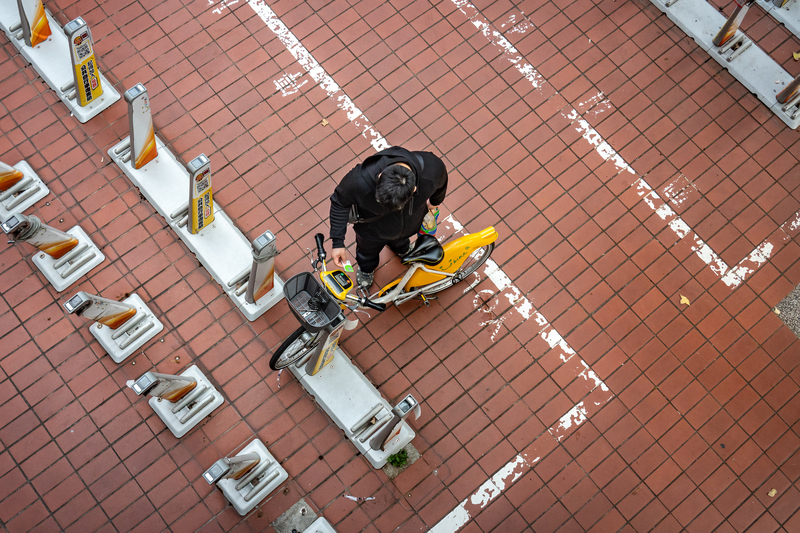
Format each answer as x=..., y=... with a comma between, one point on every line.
x=317, y=299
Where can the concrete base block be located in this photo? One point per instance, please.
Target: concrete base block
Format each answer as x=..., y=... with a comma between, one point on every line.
x=201, y=408
x=120, y=349
x=263, y=485
x=26, y=197
x=88, y=260
x=347, y=395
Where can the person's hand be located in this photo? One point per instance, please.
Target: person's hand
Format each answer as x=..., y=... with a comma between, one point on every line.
x=338, y=256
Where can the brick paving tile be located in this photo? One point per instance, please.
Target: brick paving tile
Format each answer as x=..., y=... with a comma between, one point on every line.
x=623, y=170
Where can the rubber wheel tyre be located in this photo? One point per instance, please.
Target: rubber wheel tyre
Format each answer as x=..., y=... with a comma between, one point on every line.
x=293, y=348
x=470, y=265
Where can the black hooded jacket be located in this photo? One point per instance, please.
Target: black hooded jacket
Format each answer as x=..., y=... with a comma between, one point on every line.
x=358, y=188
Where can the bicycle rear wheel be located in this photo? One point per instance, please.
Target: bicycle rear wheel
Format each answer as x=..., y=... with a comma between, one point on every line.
x=472, y=263
x=294, y=348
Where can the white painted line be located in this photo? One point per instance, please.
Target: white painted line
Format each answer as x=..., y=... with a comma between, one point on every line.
x=731, y=277
x=492, y=271
x=574, y=417
x=319, y=75
x=491, y=489
x=520, y=303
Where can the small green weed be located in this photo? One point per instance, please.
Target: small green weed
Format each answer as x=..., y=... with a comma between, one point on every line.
x=399, y=459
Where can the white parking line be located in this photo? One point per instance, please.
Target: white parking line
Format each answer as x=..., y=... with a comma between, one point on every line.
x=491, y=489
x=505, y=287
x=319, y=75
x=732, y=277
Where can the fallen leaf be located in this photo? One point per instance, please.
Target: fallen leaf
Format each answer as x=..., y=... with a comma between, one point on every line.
x=777, y=311
x=685, y=300
x=796, y=56
x=324, y=122
x=772, y=493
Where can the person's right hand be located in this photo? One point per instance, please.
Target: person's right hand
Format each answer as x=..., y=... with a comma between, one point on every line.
x=338, y=256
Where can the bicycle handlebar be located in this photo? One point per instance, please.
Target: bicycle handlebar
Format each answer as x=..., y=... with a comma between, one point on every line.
x=320, y=238
x=321, y=255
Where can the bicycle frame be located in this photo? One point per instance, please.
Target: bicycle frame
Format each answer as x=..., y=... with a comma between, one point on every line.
x=426, y=278
x=397, y=286
x=455, y=253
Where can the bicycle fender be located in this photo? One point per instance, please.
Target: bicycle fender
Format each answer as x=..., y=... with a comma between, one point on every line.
x=455, y=252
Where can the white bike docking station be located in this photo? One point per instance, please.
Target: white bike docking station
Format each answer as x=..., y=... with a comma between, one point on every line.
x=181, y=402
x=746, y=62
x=248, y=477
x=20, y=188
x=63, y=257
x=64, y=58
x=121, y=327
x=375, y=428
x=320, y=525
x=207, y=231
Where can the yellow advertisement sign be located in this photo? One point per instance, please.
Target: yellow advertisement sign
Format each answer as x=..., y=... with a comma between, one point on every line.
x=201, y=202
x=84, y=64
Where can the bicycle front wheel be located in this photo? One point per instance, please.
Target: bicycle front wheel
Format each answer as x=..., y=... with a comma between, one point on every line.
x=294, y=348
x=471, y=264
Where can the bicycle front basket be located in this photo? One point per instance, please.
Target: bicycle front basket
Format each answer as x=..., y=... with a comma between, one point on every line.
x=309, y=302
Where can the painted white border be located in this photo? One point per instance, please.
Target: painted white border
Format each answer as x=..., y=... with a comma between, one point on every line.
x=732, y=277
x=575, y=416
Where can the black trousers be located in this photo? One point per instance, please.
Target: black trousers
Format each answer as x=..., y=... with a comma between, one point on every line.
x=368, y=251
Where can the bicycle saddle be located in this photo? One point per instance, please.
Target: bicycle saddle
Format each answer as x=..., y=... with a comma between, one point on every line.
x=426, y=250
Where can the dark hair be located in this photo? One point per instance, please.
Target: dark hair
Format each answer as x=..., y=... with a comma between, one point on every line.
x=395, y=187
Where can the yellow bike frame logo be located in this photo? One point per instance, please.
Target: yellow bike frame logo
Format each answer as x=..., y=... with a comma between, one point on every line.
x=453, y=261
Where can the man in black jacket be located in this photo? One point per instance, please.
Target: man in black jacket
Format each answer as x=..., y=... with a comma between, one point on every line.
x=392, y=191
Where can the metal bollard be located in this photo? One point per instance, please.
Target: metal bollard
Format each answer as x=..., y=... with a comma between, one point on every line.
x=262, y=273
x=143, y=136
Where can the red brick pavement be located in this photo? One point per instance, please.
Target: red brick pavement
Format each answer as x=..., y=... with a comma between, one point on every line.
x=704, y=417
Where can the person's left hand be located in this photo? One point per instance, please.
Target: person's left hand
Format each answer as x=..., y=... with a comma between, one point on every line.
x=430, y=222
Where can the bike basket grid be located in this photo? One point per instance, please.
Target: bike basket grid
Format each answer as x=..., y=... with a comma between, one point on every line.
x=309, y=302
